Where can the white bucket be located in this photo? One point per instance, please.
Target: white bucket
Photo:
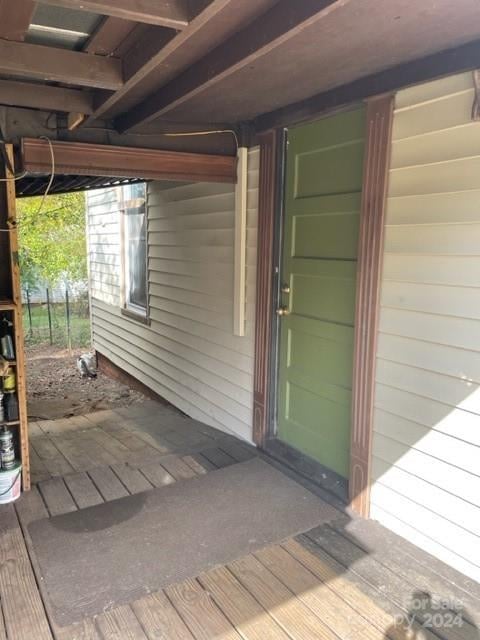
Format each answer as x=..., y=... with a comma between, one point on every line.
x=10, y=484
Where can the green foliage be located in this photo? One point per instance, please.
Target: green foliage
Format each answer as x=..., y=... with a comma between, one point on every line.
x=52, y=241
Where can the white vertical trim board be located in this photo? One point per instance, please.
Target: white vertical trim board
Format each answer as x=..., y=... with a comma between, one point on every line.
x=189, y=354
x=426, y=445
x=240, y=256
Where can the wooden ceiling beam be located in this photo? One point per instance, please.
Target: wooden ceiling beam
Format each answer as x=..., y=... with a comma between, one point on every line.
x=15, y=19
x=37, y=96
x=456, y=60
x=109, y=36
x=213, y=20
x=78, y=158
x=166, y=13
x=281, y=23
x=59, y=65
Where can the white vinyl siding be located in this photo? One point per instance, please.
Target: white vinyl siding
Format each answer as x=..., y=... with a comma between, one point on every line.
x=426, y=446
x=188, y=354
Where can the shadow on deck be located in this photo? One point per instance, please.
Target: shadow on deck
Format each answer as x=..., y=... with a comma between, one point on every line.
x=347, y=578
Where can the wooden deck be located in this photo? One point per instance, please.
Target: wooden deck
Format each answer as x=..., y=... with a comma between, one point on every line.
x=350, y=579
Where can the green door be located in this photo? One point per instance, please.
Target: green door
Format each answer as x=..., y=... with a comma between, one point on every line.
x=322, y=207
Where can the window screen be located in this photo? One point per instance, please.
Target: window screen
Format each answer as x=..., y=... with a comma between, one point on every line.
x=135, y=247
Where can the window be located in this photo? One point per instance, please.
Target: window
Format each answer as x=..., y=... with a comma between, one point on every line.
x=135, y=248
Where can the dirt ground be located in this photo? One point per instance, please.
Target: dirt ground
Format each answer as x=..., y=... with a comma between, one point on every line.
x=56, y=390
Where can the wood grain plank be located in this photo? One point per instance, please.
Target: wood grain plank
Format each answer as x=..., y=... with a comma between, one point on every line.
x=56, y=496
x=194, y=465
x=54, y=460
x=107, y=483
x=134, y=481
x=156, y=474
x=120, y=623
x=289, y=612
x=83, y=490
x=200, y=613
x=317, y=596
x=177, y=468
x=38, y=468
x=218, y=457
x=240, y=607
x=330, y=571
x=110, y=444
x=18, y=589
x=159, y=619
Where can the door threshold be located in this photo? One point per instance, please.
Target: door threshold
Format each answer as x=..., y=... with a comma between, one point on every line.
x=314, y=471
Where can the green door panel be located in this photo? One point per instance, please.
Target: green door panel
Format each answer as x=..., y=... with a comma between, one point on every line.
x=322, y=208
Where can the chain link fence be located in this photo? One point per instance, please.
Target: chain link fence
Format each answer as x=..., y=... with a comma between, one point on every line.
x=57, y=316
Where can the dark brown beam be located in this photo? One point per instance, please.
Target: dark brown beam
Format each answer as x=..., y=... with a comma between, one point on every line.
x=59, y=65
x=150, y=68
x=37, y=96
x=78, y=158
x=109, y=36
x=15, y=18
x=444, y=63
x=281, y=23
x=167, y=13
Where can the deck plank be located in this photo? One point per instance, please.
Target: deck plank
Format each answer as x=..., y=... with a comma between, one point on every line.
x=218, y=457
x=317, y=596
x=107, y=483
x=38, y=469
x=120, y=623
x=414, y=565
x=156, y=474
x=83, y=490
x=56, y=496
x=384, y=577
x=58, y=465
x=74, y=453
x=194, y=465
x=200, y=613
x=290, y=613
x=159, y=619
x=23, y=610
x=332, y=573
x=134, y=481
x=118, y=450
x=240, y=607
x=177, y=468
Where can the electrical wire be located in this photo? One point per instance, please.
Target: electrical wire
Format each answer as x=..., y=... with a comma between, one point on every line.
x=52, y=174
x=202, y=133
x=14, y=225
x=13, y=178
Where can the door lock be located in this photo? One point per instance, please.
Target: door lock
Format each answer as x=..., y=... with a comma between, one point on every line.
x=283, y=311
x=285, y=288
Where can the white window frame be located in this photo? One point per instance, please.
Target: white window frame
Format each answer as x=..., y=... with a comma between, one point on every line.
x=128, y=307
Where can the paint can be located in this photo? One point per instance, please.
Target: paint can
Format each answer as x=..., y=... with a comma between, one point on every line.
x=7, y=450
x=10, y=483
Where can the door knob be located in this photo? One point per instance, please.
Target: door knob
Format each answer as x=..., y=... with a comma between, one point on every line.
x=283, y=311
x=285, y=288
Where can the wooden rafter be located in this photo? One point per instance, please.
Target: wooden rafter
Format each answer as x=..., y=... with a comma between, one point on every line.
x=35, y=96
x=15, y=18
x=167, y=13
x=77, y=158
x=282, y=22
x=109, y=36
x=210, y=24
x=51, y=64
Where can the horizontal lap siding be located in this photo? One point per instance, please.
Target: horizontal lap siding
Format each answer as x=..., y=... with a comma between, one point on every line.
x=188, y=354
x=426, y=446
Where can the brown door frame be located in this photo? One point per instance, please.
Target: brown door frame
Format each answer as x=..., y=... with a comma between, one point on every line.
x=379, y=118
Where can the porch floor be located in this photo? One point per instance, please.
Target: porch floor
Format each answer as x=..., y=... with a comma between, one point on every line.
x=349, y=579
